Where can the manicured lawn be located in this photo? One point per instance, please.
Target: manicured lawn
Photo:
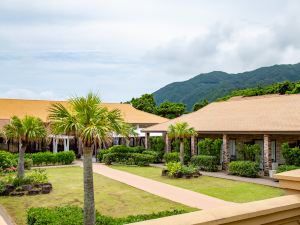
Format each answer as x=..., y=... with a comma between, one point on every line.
x=228, y=190
x=111, y=197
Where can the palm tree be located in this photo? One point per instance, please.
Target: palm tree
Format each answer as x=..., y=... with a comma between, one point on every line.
x=128, y=131
x=25, y=131
x=92, y=124
x=181, y=130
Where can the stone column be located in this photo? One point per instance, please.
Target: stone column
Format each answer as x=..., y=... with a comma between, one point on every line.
x=226, y=152
x=55, y=142
x=193, y=145
x=267, y=154
x=147, y=140
x=167, y=143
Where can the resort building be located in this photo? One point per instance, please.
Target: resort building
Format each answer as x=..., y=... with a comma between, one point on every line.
x=267, y=121
x=39, y=108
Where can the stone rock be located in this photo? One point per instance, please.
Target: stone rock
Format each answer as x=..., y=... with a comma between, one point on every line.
x=17, y=193
x=34, y=192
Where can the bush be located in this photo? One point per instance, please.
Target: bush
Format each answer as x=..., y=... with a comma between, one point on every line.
x=38, y=176
x=125, y=149
x=28, y=163
x=101, y=153
x=171, y=157
x=284, y=168
x=65, y=158
x=174, y=168
x=2, y=187
x=205, y=162
x=7, y=160
x=210, y=147
x=187, y=149
x=158, y=145
x=128, y=158
x=73, y=215
x=244, y=168
x=154, y=154
x=291, y=155
x=49, y=158
x=249, y=152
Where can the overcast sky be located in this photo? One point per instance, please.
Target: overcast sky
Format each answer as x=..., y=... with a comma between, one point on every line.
x=54, y=49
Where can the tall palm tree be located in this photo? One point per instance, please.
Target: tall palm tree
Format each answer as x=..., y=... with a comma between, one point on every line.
x=92, y=124
x=128, y=131
x=24, y=130
x=181, y=130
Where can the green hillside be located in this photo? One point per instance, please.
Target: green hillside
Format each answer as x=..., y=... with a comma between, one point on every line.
x=214, y=85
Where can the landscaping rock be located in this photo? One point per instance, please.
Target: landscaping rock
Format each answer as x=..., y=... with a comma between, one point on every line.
x=26, y=187
x=34, y=192
x=46, y=188
x=164, y=172
x=17, y=193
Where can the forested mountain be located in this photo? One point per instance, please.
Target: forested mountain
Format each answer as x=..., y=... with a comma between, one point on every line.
x=214, y=85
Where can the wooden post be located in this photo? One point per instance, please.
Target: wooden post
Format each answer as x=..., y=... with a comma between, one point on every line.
x=147, y=140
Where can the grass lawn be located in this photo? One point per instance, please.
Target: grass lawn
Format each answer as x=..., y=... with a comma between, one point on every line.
x=111, y=197
x=228, y=190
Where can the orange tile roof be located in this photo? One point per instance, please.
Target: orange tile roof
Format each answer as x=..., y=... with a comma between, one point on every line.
x=39, y=108
x=274, y=113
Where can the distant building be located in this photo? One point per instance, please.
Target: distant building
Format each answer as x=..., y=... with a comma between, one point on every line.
x=39, y=108
x=267, y=121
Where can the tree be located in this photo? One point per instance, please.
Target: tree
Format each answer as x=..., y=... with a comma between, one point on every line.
x=170, y=110
x=24, y=130
x=92, y=124
x=181, y=131
x=145, y=103
x=128, y=131
x=200, y=104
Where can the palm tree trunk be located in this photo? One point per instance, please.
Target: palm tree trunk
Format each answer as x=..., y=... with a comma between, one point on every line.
x=181, y=152
x=21, y=170
x=89, y=204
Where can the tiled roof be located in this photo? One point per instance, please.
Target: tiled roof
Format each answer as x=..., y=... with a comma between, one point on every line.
x=274, y=113
x=39, y=108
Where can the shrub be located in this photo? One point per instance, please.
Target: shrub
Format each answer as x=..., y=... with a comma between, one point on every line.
x=154, y=154
x=128, y=158
x=101, y=153
x=7, y=160
x=210, y=147
x=73, y=215
x=49, y=158
x=38, y=176
x=125, y=149
x=187, y=149
x=2, y=187
x=171, y=157
x=65, y=157
x=291, y=155
x=158, y=145
x=244, y=168
x=248, y=152
x=28, y=163
x=205, y=162
x=189, y=170
x=284, y=168
x=174, y=168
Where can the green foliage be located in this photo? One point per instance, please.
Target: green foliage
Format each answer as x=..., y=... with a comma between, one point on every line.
x=101, y=153
x=28, y=163
x=291, y=155
x=2, y=187
x=189, y=170
x=37, y=176
x=170, y=110
x=244, y=168
x=200, y=104
x=49, y=158
x=205, y=162
x=128, y=158
x=158, y=145
x=210, y=147
x=247, y=152
x=154, y=154
x=284, y=168
x=125, y=149
x=145, y=103
x=174, y=168
x=73, y=215
x=171, y=157
x=7, y=160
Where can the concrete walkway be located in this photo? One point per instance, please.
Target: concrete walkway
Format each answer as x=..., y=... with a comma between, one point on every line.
x=176, y=194
x=5, y=219
x=262, y=181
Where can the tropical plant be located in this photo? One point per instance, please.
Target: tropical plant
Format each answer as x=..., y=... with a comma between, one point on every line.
x=181, y=131
x=128, y=131
x=25, y=131
x=92, y=124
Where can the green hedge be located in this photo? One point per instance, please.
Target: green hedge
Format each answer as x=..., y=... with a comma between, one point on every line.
x=205, y=162
x=73, y=215
x=291, y=155
x=244, y=168
x=7, y=160
x=154, y=154
x=284, y=168
x=49, y=158
x=171, y=157
x=128, y=158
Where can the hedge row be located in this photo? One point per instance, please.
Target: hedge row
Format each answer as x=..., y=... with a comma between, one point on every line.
x=171, y=157
x=244, y=168
x=49, y=158
x=128, y=155
x=284, y=168
x=73, y=215
x=205, y=162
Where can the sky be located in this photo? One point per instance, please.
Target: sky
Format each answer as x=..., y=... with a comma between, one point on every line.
x=56, y=49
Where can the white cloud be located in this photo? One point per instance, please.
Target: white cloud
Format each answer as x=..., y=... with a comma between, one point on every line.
x=28, y=94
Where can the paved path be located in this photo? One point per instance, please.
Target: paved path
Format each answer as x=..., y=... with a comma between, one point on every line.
x=163, y=190
x=5, y=219
x=262, y=181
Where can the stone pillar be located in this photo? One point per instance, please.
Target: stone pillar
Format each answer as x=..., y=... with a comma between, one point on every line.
x=226, y=152
x=55, y=142
x=147, y=140
x=267, y=154
x=193, y=145
x=167, y=143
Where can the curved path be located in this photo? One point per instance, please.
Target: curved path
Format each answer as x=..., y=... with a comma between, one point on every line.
x=176, y=194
